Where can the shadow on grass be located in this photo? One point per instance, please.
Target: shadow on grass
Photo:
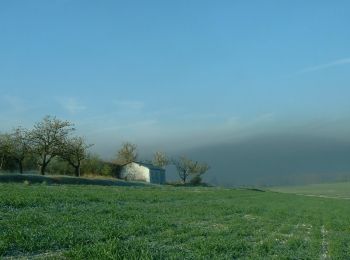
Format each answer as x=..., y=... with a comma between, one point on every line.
x=33, y=179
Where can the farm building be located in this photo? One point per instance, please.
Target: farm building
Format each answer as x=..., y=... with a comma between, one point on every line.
x=138, y=171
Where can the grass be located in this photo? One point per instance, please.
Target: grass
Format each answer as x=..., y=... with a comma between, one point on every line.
x=332, y=190
x=64, y=179
x=115, y=222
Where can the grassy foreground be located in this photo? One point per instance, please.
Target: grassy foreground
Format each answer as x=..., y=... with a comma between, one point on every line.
x=107, y=222
x=64, y=179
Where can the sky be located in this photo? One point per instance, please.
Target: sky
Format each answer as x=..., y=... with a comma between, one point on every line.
x=177, y=75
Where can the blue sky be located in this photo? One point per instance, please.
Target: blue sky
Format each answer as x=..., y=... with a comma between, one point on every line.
x=176, y=73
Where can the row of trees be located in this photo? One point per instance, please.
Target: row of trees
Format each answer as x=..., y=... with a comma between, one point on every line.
x=47, y=140
x=51, y=145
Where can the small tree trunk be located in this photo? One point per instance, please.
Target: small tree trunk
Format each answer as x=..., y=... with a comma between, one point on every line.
x=184, y=177
x=2, y=161
x=43, y=168
x=79, y=168
x=20, y=165
x=42, y=165
x=77, y=171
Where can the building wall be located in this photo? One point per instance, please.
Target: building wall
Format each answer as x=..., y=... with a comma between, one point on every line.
x=157, y=176
x=135, y=172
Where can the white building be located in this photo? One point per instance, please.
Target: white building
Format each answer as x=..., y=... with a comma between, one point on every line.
x=137, y=171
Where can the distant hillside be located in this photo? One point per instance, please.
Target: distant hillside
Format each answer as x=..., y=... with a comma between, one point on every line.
x=332, y=190
x=276, y=160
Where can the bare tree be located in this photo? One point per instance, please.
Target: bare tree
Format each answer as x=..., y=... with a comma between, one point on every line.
x=160, y=159
x=198, y=171
x=127, y=153
x=20, y=146
x=47, y=139
x=74, y=152
x=201, y=168
x=185, y=167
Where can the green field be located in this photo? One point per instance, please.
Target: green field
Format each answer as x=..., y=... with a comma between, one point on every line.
x=339, y=190
x=43, y=221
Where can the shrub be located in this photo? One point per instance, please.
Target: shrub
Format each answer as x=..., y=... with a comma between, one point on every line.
x=196, y=180
x=106, y=170
x=59, y=167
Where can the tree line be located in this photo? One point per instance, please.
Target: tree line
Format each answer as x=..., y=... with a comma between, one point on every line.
x=47, y=140
x=52, y=146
